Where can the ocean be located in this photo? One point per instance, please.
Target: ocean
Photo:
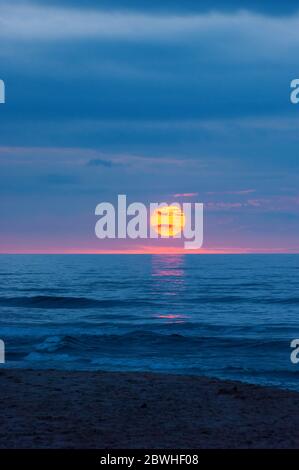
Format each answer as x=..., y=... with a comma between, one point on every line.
x=224, y=316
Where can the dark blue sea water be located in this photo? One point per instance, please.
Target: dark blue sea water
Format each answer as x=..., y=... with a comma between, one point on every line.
x=228, y=316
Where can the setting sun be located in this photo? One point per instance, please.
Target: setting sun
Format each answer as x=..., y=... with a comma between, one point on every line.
x=168, y=221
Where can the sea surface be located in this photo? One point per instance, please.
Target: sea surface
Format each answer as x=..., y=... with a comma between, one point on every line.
x=227, y=316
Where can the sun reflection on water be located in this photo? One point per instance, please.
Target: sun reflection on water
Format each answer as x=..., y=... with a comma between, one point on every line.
x=168, y=285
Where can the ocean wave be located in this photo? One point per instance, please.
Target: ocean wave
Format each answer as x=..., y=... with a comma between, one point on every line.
x=262, y=371
x=227, y=299
x=56, y=302
x=153, y=341
x=64, y=302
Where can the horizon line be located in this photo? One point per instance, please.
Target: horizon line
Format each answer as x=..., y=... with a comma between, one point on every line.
x=152, y=252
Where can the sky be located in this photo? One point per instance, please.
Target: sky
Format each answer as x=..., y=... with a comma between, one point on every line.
x=165, y=101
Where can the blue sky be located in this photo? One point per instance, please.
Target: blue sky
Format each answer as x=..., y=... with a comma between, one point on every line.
x=149, y=99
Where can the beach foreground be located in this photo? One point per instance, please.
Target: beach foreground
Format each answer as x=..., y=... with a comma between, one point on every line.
x=58, y=409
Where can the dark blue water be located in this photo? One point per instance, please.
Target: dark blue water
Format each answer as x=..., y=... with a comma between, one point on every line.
x=224, y=316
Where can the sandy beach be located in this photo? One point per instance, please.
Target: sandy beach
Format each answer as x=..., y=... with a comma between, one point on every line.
x=57, y=409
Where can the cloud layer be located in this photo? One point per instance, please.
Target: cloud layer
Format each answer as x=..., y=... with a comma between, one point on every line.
x=153, y=99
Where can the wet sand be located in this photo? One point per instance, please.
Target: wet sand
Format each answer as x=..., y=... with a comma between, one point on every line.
x=55, y=409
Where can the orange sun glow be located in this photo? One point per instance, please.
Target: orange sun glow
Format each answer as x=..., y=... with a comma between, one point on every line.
x=168, y=221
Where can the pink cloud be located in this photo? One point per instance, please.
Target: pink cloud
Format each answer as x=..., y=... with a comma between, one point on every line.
x=185, y=194
x=223, y=205
x=254, y=202
x=238, y=192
